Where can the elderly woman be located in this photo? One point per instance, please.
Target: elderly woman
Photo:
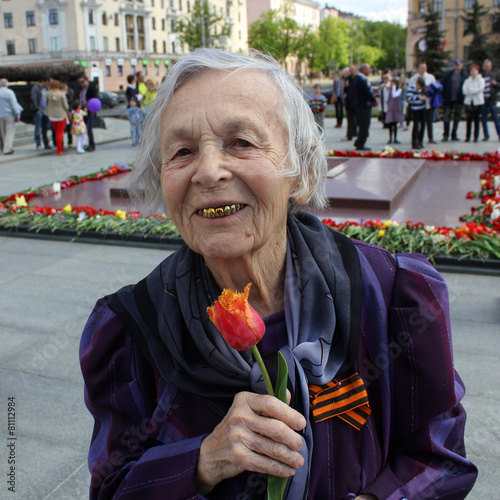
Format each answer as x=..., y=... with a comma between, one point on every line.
x=234, y=152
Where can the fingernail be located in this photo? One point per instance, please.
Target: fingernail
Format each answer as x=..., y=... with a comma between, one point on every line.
x=291, y=472
x=301, y=423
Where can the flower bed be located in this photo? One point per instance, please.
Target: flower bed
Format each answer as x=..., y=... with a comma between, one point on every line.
x=478, y=238
x=16, y=215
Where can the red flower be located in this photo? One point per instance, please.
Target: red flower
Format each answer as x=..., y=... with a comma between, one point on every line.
x=240, y=325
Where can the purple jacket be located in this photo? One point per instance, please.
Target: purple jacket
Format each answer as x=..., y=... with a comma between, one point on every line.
x=147, y=434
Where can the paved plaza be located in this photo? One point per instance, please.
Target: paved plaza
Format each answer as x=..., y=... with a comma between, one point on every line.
x=48, y=289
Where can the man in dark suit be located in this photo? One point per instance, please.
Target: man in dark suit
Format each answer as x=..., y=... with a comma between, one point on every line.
x=363, y=100
x=453, y=99
x=87, y=92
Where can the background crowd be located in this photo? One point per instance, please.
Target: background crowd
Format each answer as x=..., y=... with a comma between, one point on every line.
x=60, y=109
x=420, y=100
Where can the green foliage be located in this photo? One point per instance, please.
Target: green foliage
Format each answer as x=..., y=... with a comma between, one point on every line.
x=472, y=26
x=190, y=27
x=331, y=43
x=433, y=55
x=277, y=33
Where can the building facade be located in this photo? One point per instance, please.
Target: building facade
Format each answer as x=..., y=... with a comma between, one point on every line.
x=109, y=38
x=452, y=25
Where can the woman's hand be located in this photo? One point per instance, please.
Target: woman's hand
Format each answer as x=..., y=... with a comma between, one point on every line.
x=258, y=434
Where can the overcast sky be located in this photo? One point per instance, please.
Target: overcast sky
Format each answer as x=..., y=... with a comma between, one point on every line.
x=375, y=10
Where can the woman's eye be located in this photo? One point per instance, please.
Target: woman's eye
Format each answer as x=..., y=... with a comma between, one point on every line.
x=242, y=143
x=183, y=152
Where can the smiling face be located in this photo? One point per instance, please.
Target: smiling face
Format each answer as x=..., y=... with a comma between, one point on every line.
x=223, y=147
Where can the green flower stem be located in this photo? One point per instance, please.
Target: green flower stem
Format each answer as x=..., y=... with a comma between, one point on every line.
x=263, y=369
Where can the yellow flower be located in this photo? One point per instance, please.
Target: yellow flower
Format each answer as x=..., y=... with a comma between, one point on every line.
x=67, y=209
x=483, y=182
x=121, y=214
x=21, y=201
x=381, y=233
x=387, y=223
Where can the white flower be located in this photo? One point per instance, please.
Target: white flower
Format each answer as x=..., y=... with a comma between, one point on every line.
x=438, y=238
x=82, y=216
x=430, y=229
x=495, y=214
x=56, y=187
x=496, y=178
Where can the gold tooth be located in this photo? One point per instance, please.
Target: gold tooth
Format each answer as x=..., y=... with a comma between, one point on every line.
x=212, y=213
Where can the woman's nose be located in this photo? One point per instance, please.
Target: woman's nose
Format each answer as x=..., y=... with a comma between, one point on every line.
x=212, y=167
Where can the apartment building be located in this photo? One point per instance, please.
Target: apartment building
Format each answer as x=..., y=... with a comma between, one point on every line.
x=109, y=38
x=452, y=24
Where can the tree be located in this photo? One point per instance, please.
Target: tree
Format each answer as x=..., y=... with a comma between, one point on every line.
x=277, y=33
x=494, y=46
x=331, y=43
x=202, y=28
x=472, y=26
x=434, y=54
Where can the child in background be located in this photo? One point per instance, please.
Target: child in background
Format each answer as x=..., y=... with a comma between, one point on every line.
x=135, y=119
x=78, y=127
x=317, y=103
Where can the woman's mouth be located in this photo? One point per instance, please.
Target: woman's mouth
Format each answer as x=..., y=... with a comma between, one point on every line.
x=222, y=211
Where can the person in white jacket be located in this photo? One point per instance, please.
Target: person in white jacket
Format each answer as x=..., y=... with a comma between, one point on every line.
x=473, y=90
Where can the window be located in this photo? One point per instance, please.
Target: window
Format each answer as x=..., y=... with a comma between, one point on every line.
x=30, y=18
x=157, y=70
x=188, y=6
x=8, y=22
x=153, y=22
x=104, y=19
x=173, y=47
x=91, y=16
x=54, y=43
x=422, y=7
x=105, y=45
x=438, y=5
x=155, y=46
x=469, y=4
x=11, y=48
x=129, y=24
x=496, y=3
x=108, y=70
x=92, y=43
x=180, y=4
x=116, y=20
x=32, y=45
x=53, y=16
x=163, y=23
x=117, y=44
x=141, y=39
x=164, y=47
x=152, y=3
x=120, y=70
x=162, y=4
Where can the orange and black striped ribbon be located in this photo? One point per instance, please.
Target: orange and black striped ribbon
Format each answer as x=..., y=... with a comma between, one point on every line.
x=346, y=399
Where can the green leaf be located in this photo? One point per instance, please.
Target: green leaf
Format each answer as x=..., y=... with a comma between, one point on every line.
x=276, y=485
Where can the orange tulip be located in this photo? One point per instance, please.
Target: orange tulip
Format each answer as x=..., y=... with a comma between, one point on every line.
x=240, y=325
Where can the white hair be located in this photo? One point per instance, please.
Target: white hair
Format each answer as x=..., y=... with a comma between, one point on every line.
x=306, y=160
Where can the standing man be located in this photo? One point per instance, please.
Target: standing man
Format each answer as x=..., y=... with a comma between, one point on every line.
x=364, y=99
x=491, y=86
x=352, y=126
x=429, y=109
x=453, y=99
x=87, y=92
x=338, y=98
x=10, y=113
x=38, y=105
